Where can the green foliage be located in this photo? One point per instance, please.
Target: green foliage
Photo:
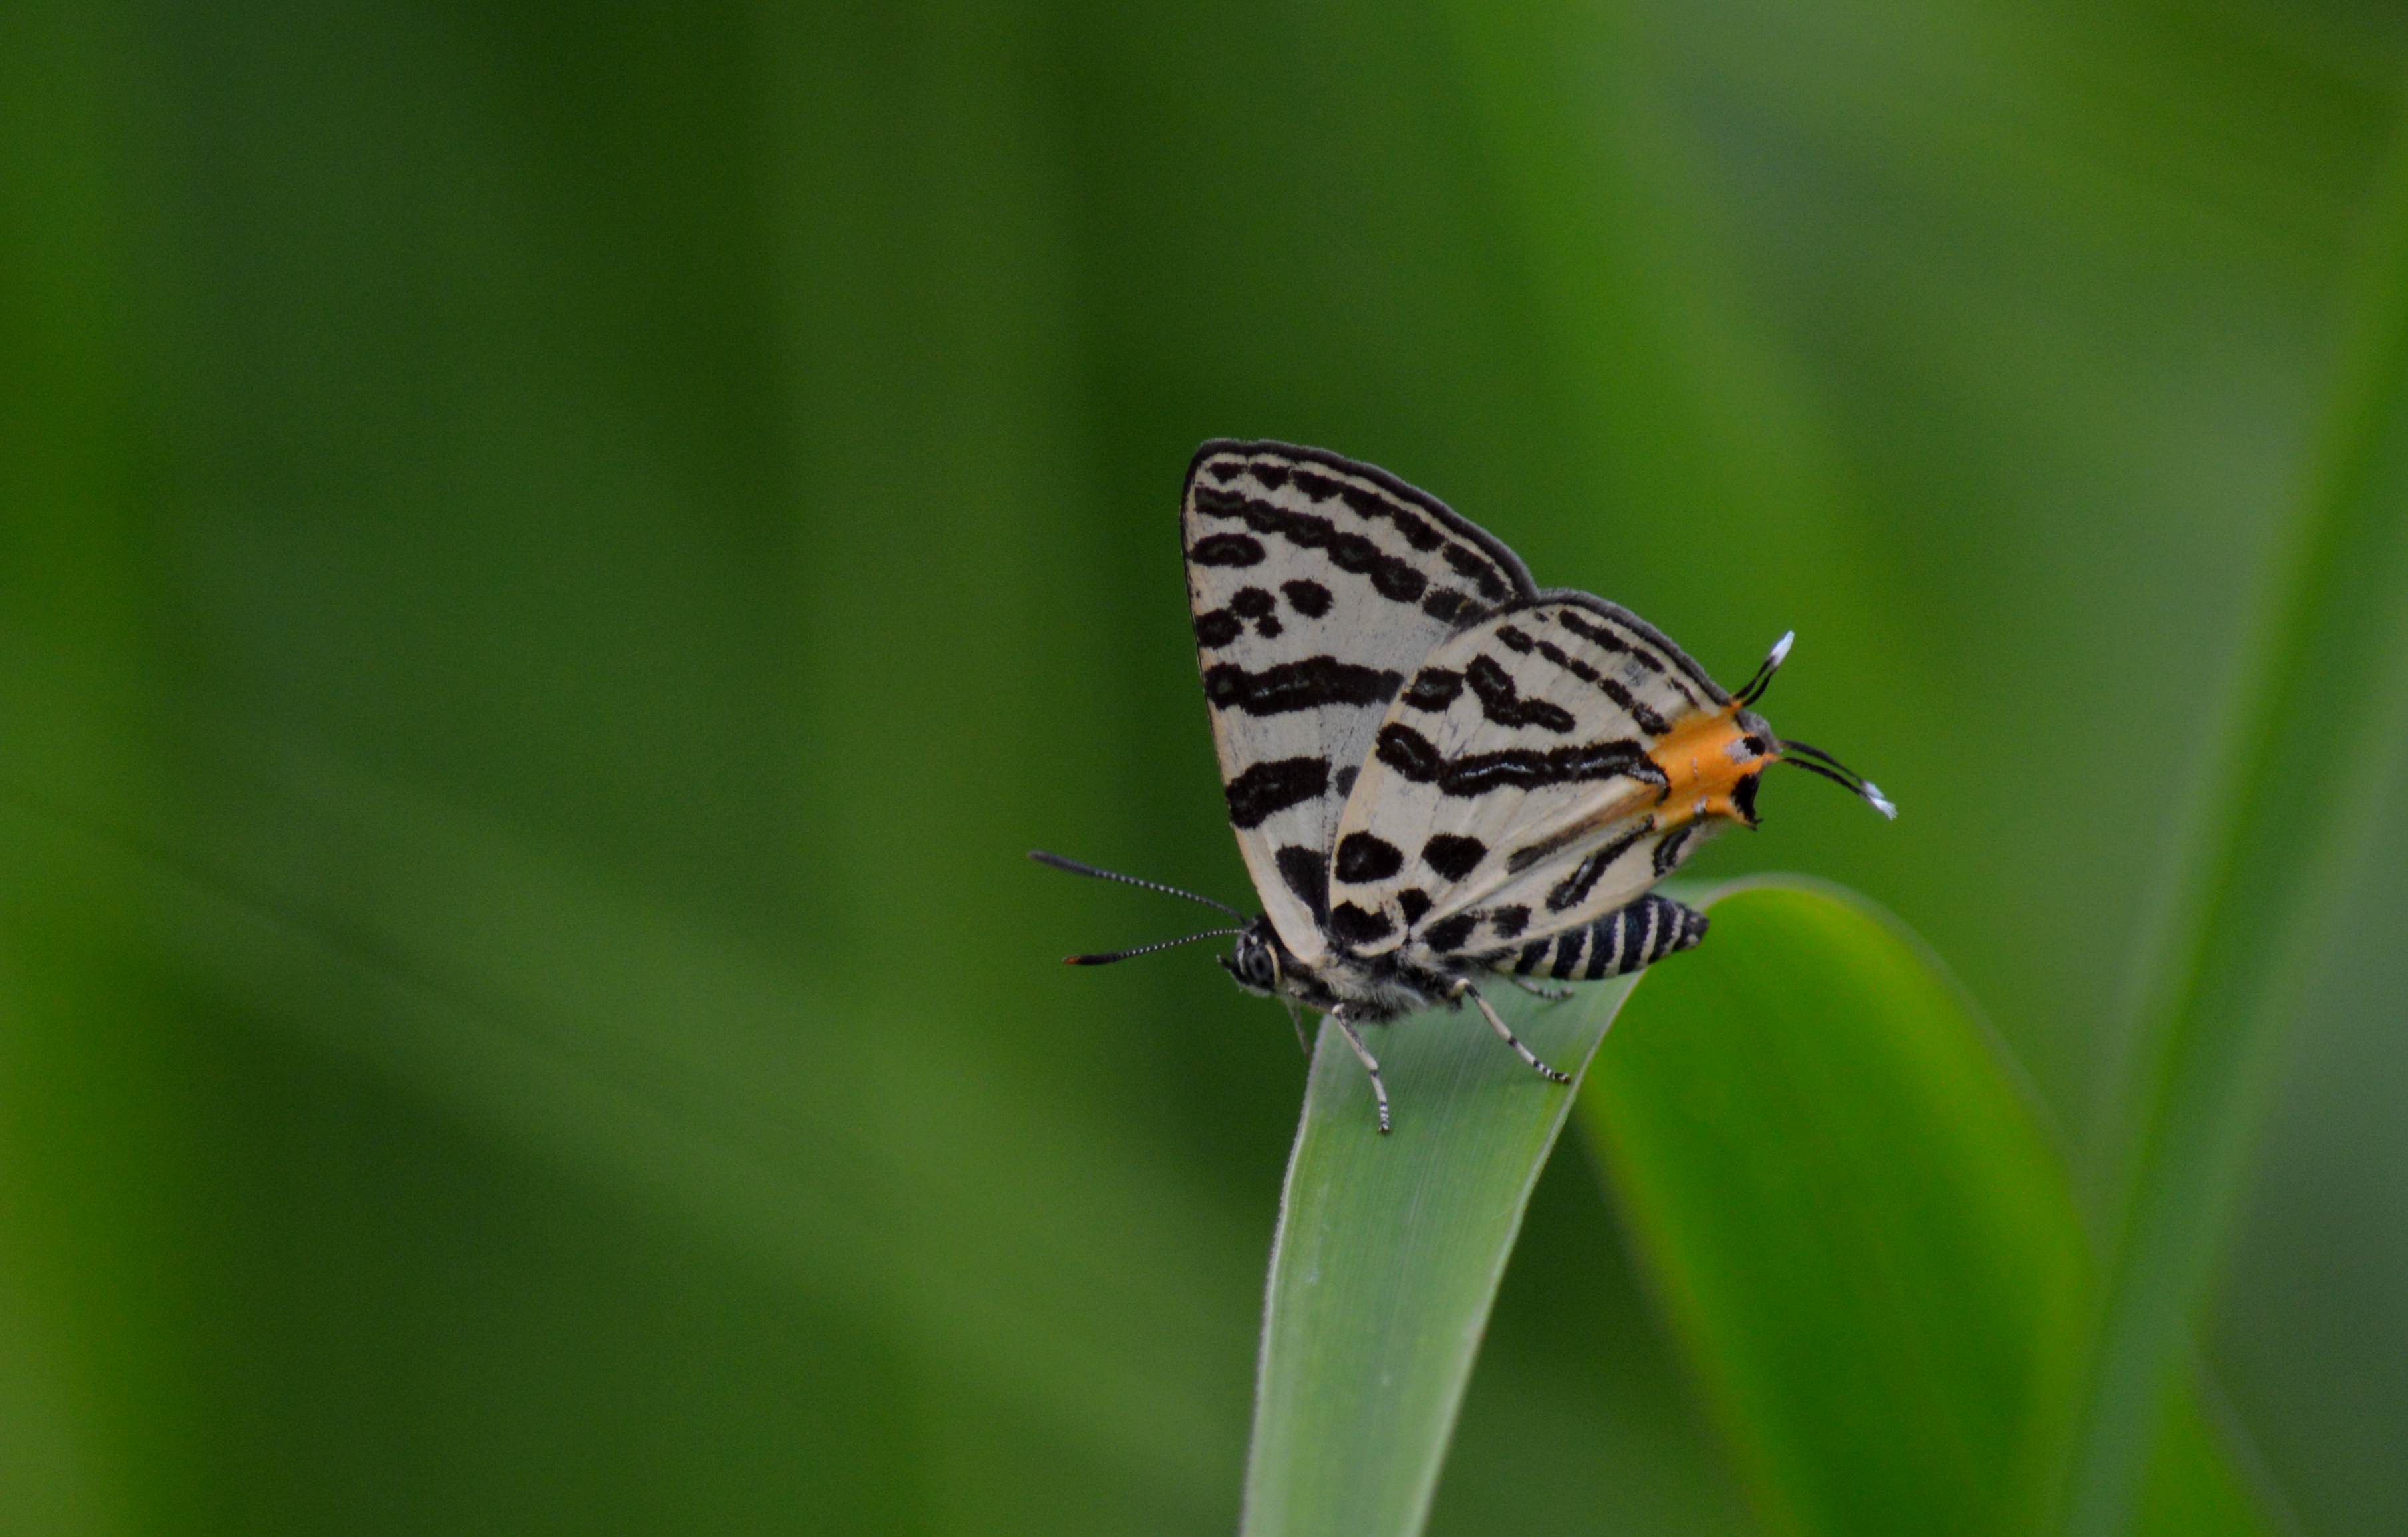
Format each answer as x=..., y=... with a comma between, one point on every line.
x=2272, y=853
x=1865, y=1240
x=552, y=559
x=1840, y=1190
x=1389, y=1252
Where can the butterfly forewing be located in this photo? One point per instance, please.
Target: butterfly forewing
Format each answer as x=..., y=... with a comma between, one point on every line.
x=1510, y=793
x=1318, y=586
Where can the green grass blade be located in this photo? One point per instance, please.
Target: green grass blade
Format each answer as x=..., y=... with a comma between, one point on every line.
x=1865, y=1240
x=2316, y=728
x=1388, y=1255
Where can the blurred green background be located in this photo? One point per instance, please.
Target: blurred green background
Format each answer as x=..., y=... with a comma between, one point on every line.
x=555, y=558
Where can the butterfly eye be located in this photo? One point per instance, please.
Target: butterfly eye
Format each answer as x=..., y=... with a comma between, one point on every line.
x=1259, y=969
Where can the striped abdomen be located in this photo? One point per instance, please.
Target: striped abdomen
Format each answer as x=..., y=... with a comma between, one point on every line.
x=1625, y=941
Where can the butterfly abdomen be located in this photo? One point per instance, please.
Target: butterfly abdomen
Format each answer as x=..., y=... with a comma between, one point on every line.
x=1629, y=938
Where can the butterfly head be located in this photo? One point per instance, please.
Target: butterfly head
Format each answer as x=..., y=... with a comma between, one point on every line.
x=1257, y=962
x=1714, y=762
x=1711, y=765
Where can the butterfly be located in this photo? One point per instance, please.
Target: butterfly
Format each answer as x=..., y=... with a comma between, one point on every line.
x=1438, y=772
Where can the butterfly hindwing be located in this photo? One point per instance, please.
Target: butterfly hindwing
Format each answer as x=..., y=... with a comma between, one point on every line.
x=1317, y=586
x=1511, y=794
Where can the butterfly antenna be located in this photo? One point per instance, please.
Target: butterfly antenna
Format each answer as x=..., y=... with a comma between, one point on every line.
x=1763, y=679
x=1149, y=949
x=1058, y=862
x=1798, y=754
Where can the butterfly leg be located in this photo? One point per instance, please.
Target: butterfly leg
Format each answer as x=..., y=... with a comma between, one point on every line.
x=1464, y=989
x=1553, y=995
x=1295, y=1017
x=1370, y=1064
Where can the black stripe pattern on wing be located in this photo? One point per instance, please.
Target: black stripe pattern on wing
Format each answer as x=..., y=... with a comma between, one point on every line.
x=1306, y=875
x=1449, y=935
x=1501, y=700
x=1418, y=530
x=1449, y=607
x=1307, y=684
x=1259, y=606
x=1226, y=549
x=1392, y=577
x=1434, y=688
x=1606, y=639
x=1490, y=572
x=1364, y=856
x=1353, y=924
x=1647, y=718
x=1453, y=854
x=1668, y=853
x=1412, y=756
x=1573, y=889
x=1268, y=788
x=1307, y=597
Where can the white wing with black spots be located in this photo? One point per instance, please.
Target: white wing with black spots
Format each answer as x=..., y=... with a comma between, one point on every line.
x=1318, y=586
x=1514, y=793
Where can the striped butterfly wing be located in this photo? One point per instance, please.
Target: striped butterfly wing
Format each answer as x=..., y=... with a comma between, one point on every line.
x=1317, y=586
x=1511, y=796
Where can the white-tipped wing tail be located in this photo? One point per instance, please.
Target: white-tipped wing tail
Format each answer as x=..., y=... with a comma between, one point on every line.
x=1511, y=795
x=1317, y=586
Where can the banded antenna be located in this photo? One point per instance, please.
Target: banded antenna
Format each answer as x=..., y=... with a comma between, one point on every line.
x=1806, y=756
x=1075, y=868
x=1149, y=949
x=1755, y=687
